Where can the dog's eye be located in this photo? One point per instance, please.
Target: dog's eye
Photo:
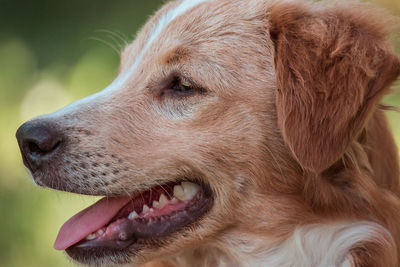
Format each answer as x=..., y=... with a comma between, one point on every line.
x=182, y=86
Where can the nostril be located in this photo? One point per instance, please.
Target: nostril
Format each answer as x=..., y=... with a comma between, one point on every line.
x=38, y=141
x=41, y=149
x=33, y=148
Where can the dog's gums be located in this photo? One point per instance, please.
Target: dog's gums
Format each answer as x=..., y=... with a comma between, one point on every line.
x=123, y=220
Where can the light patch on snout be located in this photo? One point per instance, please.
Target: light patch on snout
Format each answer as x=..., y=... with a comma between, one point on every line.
x=122, y=79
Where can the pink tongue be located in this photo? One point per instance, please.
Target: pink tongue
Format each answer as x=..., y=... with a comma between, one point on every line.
x=88, y=221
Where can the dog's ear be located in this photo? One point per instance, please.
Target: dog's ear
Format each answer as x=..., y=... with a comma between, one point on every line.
x=333, y=65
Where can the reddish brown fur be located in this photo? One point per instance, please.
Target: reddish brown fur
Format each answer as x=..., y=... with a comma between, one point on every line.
x=333, y=66
x=178, y=54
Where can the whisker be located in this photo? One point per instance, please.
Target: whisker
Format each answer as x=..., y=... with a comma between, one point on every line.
x=115, y=35
x=165, y=190
x=105, y=43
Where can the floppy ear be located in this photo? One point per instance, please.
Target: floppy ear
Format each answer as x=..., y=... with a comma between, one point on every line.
x=333, y=65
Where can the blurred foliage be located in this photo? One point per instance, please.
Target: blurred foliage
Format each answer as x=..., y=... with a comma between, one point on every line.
x=51, y=53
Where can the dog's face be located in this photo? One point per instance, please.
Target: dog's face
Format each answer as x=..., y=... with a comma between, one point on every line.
x=194, y=109
x=189, y=104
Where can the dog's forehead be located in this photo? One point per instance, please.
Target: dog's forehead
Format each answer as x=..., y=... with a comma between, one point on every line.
x=155, y=29
x=190, y=23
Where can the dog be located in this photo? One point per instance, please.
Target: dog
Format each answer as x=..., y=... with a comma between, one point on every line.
x=237, y=133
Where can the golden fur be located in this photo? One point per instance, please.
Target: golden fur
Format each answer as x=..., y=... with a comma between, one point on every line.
x=289, y=133
x=333, y=65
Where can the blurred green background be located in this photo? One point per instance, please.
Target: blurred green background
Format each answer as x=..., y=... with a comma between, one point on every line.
x=51, y=53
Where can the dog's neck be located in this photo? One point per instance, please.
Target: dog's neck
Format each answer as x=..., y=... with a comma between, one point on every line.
x=312, y=245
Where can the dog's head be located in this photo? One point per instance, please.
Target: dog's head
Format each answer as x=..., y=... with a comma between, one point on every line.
x=217, y=104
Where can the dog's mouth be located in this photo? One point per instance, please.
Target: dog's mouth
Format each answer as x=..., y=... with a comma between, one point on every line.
x=117, y=223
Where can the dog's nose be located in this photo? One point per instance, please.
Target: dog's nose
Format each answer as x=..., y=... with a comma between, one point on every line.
x=38, y=142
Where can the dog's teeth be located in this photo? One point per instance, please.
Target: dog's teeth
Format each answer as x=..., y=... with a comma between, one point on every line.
x=100, y=232
x=190, y=189
x=145, y=208
x=174, y=200
x=156, y=204
x=91, y=236
x=133, y=215
x=163, y=201
x=178, y=192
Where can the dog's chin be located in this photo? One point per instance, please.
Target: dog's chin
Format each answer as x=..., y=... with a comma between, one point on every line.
x=103, y=256
x=120, y=230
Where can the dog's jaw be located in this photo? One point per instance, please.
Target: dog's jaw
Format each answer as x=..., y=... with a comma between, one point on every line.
x=122, y=225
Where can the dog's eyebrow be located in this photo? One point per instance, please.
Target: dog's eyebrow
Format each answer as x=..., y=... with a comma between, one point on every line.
x=157, y=29
x=175, y=55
